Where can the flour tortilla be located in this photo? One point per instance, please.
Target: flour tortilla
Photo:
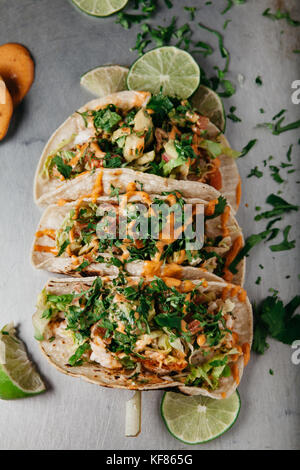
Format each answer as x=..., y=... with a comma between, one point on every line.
x=50, y=191
x=54, y=216
x=58, y=351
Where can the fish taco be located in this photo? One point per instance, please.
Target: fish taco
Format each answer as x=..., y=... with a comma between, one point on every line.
x=166, y=235
x=144, y=335
x=161, y=138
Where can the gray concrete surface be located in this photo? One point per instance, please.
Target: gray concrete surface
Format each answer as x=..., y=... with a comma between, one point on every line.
x=65, y=43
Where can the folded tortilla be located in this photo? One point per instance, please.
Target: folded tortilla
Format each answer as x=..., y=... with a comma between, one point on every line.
x=47, y=245
x=58, y=344
x=49, y=190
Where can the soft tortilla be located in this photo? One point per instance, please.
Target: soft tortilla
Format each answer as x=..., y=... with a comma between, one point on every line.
x=54, y=216
x=57, y=351
x=50, y=191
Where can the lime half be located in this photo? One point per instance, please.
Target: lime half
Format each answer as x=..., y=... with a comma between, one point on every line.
x=105, y=80
x=168, y=67
x=18, y=377
x=197, y=419
x=100, y=7
x=209, y=104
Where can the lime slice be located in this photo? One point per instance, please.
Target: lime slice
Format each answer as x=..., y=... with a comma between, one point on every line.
x=197, y=419
x=18, y=377
x=209, y=104
x=100, y=7
x=105, y=80
x=168, y=67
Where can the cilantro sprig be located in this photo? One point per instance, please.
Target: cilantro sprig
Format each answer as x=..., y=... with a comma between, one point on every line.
x=274, y=319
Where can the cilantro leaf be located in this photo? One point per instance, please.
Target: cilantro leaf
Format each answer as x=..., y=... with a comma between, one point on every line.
x=281, y=15
x=249, y=244
x=276, y=320
x=280, y=206
x=63, y=169
x=285, y=244
x=106, y=119
x=255, y=172
x=168, y=320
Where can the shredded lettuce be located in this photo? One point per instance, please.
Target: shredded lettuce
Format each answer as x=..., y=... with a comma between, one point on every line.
x=49, y=160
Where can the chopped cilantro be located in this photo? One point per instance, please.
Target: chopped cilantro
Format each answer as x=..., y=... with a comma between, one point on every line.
x=285, y=244
x=75, y=359
x=233, y=117
x=280, y=206
x=231, y=3
x=63, y=169
x=275, y=174
x=255, y=172
x=276, y=127
x=248, y=147
x=63, y=247
x=226, y=23
x=274, y=319
x=206, y=49
x=219, y=208
x=289, y=153
x=249, y=244
x=192, y=11
x=107, y=118
x=82, y=266
x=281, y=15
x=258, y=81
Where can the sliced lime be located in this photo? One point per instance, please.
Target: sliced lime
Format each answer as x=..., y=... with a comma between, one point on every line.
x=18, y=377
x=168, y=67
x=197, y=419
x=209, y=104
x=105, y=80
x=100, y=7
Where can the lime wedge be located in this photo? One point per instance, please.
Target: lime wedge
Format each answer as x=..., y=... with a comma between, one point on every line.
x=168, y=67
x=18, y=377
x=209, y=104
x=197, y=419
x=105, y=80
x=100, y=7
